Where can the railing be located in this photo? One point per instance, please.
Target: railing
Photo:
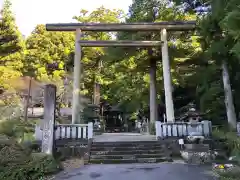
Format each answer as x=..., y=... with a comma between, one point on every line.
x=183, y=129
x=74, y=131
x=69, y=131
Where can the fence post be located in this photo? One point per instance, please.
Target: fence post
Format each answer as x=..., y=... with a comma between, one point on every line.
x=158, y=128
x=207, y=128
x=49, y=118
x=238, y=128
x=90, y=130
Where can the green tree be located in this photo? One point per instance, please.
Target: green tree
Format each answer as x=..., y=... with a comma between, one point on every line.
x=47, y=60
x=130, y=67
x=93, y=56
x=218, y=30
x=45, y=48
x=11, y=47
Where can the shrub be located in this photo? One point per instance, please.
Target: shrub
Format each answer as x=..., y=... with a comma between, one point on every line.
x=231, y=141
x=11, y=128
x=10, y=107
x=232, y=146
x=18, y=129
x=18, y=163
x=232, y=174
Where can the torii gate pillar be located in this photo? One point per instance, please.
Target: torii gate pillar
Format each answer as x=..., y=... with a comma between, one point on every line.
x=167, y=78
x=76, y=80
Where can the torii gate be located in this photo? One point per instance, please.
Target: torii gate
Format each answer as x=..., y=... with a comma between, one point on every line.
x=159, y=26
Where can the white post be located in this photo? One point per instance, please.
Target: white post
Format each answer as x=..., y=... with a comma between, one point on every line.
x=167, y=78
x=76, y=79
x=158, y=127
x=206, y=128
x=90, y=130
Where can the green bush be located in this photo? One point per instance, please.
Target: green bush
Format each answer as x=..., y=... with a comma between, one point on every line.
x=232, y=147
x=232, y=174
x=16, y=127
x=231, y=141
x=19, y=163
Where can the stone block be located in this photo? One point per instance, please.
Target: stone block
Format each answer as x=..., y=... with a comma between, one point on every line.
x=197, y=157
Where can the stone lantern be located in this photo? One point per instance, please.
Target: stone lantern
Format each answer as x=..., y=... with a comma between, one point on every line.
x=192, y=116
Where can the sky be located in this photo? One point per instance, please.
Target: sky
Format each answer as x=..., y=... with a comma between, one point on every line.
x=29, y=13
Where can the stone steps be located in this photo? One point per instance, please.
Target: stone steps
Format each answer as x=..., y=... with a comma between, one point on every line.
x=124, y=156
x=129, y=161
x=128, y=152
x=129, y=148
x=126, y=143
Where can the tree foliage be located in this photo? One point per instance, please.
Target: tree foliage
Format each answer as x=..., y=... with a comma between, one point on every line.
x=195, y=57
x=11, y=47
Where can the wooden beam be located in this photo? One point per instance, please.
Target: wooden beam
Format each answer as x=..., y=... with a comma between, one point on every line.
x=173, y=25
x=119, y=43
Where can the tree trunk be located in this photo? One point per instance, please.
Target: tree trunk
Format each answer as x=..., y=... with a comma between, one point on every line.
x=96, y=93
x=96, y=90
x=27, y=98
x=231, y=115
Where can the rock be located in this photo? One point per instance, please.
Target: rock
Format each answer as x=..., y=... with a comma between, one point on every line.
x=195, y=138
x=232, y=158
x=72, y=163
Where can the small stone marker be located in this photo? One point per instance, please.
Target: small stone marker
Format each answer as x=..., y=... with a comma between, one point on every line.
x=181, y=143
x=49, y=118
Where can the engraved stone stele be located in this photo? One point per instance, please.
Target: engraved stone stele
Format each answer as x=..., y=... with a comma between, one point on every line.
x=49, y=118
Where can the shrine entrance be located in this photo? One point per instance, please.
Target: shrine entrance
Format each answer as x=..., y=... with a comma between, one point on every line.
x=79, y=28
x=62, y=133
x=113, y=120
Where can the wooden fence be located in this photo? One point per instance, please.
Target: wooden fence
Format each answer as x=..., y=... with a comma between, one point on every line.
x=183, y=129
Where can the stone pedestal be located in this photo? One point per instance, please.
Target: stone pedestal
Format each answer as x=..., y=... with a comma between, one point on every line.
x=197, y=153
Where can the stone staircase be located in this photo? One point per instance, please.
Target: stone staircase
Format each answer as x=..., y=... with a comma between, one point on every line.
x=128, y=152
